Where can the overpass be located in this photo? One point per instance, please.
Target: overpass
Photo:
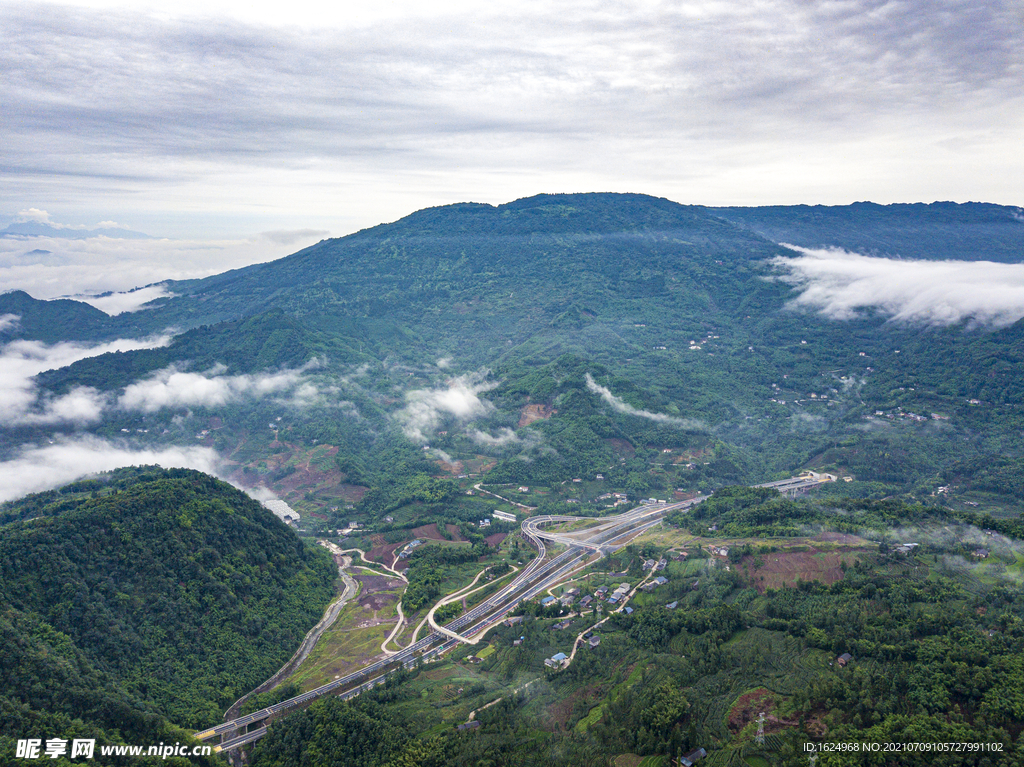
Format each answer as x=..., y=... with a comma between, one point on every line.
x=535, y=578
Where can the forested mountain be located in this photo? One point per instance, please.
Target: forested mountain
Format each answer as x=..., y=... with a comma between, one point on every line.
x=971, y=231
x=52, y=321
x=144, y=602
x=687, y=312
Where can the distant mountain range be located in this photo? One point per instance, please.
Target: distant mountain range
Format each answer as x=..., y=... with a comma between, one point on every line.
x=683, y=310
x=38, y=229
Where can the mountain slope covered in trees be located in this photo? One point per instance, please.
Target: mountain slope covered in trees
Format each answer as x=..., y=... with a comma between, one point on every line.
x=146, y=598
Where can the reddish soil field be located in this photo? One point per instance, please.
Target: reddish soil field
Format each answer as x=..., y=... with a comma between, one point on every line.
x=495, y=539
x=621, y=446
x=785, y=568
x=385, y=553
x=454, y=532
x=428, y=532
x=561, y=711
x=531, y=413
x=748, y=708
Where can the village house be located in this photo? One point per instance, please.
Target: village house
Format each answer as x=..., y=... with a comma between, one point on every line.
x=556, y=660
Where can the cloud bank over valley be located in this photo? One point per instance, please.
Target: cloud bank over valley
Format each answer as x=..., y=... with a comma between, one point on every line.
x=36, y=468
x=840, y=285
x=20, y=401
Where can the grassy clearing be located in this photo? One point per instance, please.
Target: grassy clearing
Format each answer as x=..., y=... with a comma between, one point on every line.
x=349, y=644
x=592, y=717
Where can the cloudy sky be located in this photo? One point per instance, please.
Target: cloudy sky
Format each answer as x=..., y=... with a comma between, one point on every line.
x=265, y=127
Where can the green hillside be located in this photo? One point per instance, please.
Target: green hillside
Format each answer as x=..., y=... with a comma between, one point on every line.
x=144, y=601
x=676, y=310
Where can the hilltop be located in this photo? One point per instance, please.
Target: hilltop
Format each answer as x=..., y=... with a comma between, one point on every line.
x=145, y=601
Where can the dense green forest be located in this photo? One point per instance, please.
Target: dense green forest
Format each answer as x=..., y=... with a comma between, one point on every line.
x=145, y=598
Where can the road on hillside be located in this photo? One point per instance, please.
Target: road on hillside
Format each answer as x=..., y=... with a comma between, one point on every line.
x=539, y=575
x=308, y=642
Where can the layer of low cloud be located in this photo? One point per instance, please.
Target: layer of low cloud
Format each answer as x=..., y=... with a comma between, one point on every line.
x=425, y=409
x=43, y=468
x=20, y=402
x=102, y=264
x=622, y=406
x=174, y=388
x=129, y=301
x=842, y=285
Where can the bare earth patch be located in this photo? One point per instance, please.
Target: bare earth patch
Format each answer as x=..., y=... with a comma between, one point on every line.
x=748, y=708
x=454, y=532
x=429, y=532
x=531, y=413
x=495, y=539
x=376, y=591
x=785, y=568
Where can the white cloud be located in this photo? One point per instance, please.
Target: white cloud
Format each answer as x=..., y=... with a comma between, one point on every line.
x=82, y=405
x=441, y=454
x=33, y=214
x=504, y=437
x=100, y=264
x=840, y=284
x=43, y=468
x=425, y=408
x=8, y=321
x=170, y=387
x=261, y=493
x=292, y=236
x=624, y=407
x=21, y=360
x=131, y=301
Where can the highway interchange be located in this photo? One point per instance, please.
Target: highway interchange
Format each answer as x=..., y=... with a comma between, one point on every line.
x=609, y=534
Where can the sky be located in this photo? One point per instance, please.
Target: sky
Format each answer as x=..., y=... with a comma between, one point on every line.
x=235, y=133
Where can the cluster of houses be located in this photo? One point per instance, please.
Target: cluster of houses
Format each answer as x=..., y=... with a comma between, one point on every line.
x=409, y=548
x=650, y=564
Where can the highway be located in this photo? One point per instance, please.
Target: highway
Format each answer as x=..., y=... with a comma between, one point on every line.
x=540, y=575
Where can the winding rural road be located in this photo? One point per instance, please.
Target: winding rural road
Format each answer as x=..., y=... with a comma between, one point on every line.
x=308, y=642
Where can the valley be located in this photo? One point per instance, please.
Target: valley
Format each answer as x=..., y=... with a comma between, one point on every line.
x=474, y=411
